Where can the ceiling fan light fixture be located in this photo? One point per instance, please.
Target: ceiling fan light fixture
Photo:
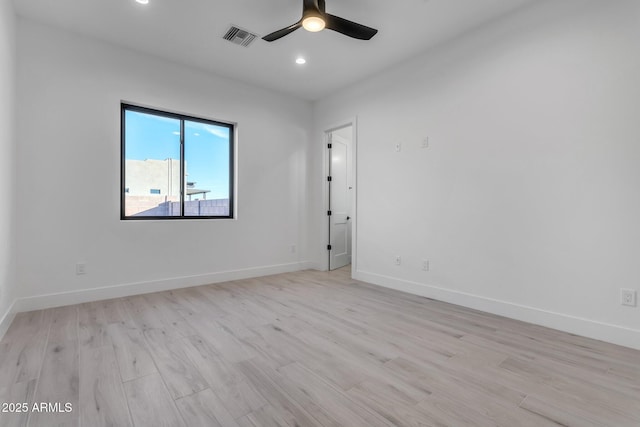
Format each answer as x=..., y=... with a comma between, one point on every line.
x=313, y=23
x=314, y=19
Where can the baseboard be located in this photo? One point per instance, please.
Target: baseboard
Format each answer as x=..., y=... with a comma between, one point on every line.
x=311, y=265
x=576, y=325
x=40, y=302
x=7, y=318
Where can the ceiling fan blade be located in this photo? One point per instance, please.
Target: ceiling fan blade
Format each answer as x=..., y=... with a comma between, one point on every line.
x=349, y=28
x=283, y=32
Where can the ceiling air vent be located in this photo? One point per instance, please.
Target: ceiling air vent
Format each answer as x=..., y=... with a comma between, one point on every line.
x=239, y=36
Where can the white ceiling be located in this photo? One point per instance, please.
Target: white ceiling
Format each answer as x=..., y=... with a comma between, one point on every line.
x=190, y=32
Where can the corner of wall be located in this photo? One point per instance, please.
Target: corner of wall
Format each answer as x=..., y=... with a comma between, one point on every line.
x=8, y=145
x=7, y=318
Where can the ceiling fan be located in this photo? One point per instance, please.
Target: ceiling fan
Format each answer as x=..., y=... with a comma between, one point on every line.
x=314, y=18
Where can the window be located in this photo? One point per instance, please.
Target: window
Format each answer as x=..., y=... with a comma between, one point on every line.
x=175, y=166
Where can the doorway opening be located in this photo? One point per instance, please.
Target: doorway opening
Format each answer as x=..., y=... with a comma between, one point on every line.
x=341, y=195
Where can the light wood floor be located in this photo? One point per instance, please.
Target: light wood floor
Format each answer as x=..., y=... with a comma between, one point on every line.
x=307, y=349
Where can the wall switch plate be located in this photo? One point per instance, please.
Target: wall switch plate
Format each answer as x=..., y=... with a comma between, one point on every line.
x=398, y=260
x=425, y=265
x=293, y=249
x=628, y=297
x=81, y=268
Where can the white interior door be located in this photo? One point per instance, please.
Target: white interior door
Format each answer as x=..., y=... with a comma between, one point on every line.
x=340, y=186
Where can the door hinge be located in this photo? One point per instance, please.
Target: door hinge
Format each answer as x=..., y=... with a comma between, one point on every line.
x=329, y=178
x=328, y=247
x=329, y=146
x=329, y=213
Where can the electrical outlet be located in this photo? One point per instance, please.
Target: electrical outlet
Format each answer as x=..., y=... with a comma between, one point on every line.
x=425, y=265
x=628, y=297
x=81, y=268
x=425, y=142
x=398, y=260
x=398, y=147
x=293, y=249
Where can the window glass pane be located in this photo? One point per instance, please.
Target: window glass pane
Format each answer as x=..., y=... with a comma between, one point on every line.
x=207, y=159
x=152, y=165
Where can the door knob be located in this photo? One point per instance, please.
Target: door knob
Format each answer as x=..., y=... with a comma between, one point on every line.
x=348, y=218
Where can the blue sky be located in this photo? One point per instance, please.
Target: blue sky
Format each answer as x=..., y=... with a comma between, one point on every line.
x=206, y=148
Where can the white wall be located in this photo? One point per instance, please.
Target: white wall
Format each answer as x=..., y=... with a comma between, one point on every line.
x=69, y=93
x=7, y=160
x=527, y=202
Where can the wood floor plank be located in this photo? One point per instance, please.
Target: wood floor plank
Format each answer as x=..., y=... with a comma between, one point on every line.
x=268, y=416
x=317, y=359
x=102, y=401
x=21, y=357
x=395, y=411
x=205, y=409
x=27, y=323
x=92, y=326
x=557, y=414
x=226, y=381
x=64, y=324
x=604, y=402
x=58, y=382
x=179, y=374
x=146, y=316
x=335, y=402
x=194, y=301
x=267, y=351
x=245, y=422
x=132, y=353
x=304, y=400
x=288, y=408
x=365, y=368
x=150, y=403
x=164, y=310
x=225, y=343
x=476, y=392
x=598, y=381
x=596, y=411
x=451, y=412
x=235, y=326
x=113, y=311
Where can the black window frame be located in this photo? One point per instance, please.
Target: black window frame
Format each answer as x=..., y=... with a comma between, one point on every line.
x=124, y=107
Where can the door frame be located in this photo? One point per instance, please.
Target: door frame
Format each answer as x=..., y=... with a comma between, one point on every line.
x=353, y=122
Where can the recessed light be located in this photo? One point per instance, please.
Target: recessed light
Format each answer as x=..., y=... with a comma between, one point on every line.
x=142, y=1
x=301, y=61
